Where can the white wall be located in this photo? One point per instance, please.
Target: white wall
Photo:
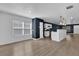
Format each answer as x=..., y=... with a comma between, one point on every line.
x=6, y=29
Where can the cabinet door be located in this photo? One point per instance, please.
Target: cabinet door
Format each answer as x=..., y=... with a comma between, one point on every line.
x=27, y=29
x=17, y=28
x=35, y=28
x=41, y=29
x=17, y=24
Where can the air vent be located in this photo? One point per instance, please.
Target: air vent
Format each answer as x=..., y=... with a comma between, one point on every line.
x=69, y=7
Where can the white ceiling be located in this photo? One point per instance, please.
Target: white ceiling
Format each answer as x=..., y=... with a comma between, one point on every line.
x=48, y=11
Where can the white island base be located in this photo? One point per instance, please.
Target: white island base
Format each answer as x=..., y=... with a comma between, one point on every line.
x=59, y=35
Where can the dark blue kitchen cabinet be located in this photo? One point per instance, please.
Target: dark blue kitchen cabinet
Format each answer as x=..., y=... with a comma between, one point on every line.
x=35, y=27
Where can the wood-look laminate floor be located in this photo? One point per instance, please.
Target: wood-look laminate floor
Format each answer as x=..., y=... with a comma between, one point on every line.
x=43, y=47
